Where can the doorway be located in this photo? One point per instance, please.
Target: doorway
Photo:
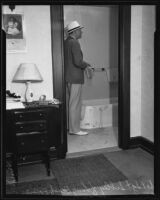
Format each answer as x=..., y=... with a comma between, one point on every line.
x=123, y=60
x=99, y=43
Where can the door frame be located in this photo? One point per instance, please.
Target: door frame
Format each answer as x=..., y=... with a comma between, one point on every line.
x=59, y=91
x=124, y=76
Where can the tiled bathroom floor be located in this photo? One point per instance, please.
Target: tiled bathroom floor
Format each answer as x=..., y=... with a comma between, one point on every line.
x=98, y=138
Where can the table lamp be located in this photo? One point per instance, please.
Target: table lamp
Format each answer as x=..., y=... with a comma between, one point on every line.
x=27, y=73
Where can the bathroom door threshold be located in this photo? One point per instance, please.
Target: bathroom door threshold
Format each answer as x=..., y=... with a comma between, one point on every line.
x=91, y=152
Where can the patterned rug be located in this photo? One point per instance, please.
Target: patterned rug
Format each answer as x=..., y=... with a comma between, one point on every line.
x=40, y=187
x=73, y=176
x=85, y=172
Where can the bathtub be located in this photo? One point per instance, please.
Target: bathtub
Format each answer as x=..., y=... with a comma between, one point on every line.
x=99, y=113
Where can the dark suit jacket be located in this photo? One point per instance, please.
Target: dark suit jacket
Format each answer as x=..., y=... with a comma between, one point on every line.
x=73, y=61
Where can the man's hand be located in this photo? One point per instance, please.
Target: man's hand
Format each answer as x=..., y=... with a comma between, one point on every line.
x=89, y=71
x=90, y=67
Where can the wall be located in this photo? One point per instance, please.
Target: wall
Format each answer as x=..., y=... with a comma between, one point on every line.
x=38, y=39
x=142, y=71
x=147, y=94
x=135, y=71
x=99, y=45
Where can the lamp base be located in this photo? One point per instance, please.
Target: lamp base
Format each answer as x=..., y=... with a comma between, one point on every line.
x=29, y=92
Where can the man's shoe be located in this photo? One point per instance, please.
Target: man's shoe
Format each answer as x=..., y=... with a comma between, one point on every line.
x=80, y=133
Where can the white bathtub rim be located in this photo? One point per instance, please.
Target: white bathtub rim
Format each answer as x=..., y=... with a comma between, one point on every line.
x=96, y=102
x=90, y=121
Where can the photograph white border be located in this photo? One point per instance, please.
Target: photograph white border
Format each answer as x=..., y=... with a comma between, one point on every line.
x=15, y=44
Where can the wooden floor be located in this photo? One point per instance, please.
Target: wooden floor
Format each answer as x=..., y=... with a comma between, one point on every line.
x=136, y=164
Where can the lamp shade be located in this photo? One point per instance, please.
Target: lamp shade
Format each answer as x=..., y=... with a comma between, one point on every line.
x=27, y=72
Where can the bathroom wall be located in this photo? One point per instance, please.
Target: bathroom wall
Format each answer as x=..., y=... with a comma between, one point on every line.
x=99, y=45
x=38, y=42
x=142, y=71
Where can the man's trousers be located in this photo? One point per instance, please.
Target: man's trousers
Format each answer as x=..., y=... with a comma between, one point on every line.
x=74, y=106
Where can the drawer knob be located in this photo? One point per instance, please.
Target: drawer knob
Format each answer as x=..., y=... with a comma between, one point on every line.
x=22, y=143
x=20, y=116
x=41, y=114
x=24, y=158
x=21, y=127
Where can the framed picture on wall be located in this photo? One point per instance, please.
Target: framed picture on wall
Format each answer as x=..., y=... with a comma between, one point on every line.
x=13, y=25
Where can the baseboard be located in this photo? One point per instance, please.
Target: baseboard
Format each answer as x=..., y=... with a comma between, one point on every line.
x=143, y=143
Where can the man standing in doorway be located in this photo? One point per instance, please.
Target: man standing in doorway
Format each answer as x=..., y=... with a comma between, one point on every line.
x=74, y=75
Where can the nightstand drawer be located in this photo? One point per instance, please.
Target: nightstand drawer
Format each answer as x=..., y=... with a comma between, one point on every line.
x=29, y=115
x=30, y=126
x=32, y=142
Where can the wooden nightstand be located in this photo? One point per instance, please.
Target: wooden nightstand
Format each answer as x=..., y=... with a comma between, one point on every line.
x=30, y=131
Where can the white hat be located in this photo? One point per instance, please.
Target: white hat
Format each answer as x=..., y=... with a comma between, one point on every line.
x=72, y=26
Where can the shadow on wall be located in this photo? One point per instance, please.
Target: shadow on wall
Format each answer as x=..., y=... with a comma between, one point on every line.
x=113, y=49
x=115, y=115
